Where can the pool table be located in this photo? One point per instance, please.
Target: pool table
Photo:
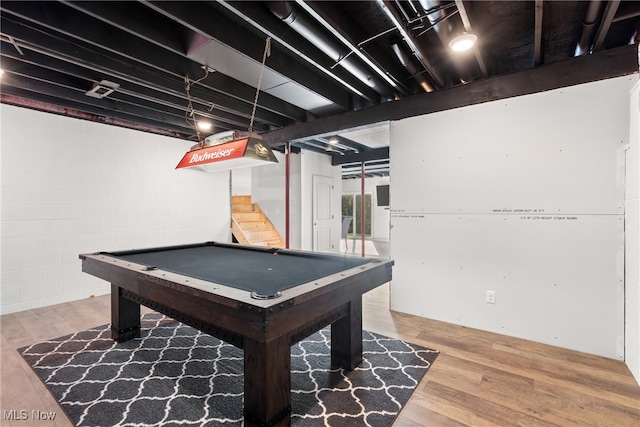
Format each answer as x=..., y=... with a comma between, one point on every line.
x=260, y=299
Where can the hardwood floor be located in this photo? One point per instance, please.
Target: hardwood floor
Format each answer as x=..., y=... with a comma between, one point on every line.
x=479, y=379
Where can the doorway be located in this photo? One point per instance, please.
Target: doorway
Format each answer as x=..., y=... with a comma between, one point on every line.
x=352, y=206
x=322, y=213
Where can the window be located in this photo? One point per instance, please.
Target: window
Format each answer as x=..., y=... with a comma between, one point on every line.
x=351, y=206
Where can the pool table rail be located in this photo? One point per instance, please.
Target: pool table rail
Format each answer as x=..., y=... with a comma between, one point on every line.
x=225, y=311
x=264, y=329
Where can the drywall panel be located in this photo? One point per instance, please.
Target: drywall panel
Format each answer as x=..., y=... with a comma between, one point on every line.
x=557, y=279
x=632, y=238
x=267, y=189
x=241, y=181
x=557, y=151
x=524, y=197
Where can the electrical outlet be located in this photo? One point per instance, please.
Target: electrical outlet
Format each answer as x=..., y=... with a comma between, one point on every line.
x=491, y=297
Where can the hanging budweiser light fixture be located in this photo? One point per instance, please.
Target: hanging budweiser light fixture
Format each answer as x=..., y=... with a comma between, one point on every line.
x=228, y=150
x=231, y=149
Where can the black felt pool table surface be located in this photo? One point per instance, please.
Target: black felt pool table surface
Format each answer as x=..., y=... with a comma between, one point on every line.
x=259, y=270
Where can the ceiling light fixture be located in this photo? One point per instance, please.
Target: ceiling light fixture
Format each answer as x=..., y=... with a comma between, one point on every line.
x=464, y=41
x=228, y=150
x=204, y=125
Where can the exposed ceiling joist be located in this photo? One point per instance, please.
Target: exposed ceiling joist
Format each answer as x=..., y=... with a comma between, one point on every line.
x=605, y=24
x=365, y=156
x=334, y=67
x=537, y=37
x=619, y=62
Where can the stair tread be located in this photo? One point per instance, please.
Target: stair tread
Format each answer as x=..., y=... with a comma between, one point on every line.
x=253, y=224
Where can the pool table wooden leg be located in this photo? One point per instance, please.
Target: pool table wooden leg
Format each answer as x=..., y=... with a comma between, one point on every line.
x=267, y=383
x=346, y=337
x=125, y=316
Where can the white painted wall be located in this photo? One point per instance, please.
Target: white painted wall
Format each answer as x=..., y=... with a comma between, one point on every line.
x=71, y=186
x=522, y=196
x=632, y=239
x=295, y=201
x=241, y=181
x=268, y=190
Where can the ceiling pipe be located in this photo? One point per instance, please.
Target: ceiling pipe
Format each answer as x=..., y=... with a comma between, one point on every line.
x=411, y=67
x=438, y=18
x=410, y=40
x=608, y=16
x=588, y=28
x=291, y=14
x=464, y=16
x=356, y=50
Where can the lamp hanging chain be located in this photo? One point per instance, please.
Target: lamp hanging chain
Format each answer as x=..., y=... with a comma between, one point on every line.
x=190, y=110
x=267, y=52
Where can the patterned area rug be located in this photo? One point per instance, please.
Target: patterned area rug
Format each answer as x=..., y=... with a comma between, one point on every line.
x=176, y=375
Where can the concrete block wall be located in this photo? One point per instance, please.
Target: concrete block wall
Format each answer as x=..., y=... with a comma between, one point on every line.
x=70, y=186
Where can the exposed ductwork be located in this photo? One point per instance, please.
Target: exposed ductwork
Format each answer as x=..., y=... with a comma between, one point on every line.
x=410, y=67
x=438, y=18
x=53, y=53
x=410, y=40
x=290, y=14
x=588, y=28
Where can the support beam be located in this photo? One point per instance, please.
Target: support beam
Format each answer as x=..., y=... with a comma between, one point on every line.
x=87, y=30
x=215, y=25
x=364, y=156
x=464, y=16
x=362, y=204
x=602, y=65
x=607, y=19
x=300, y=47
x=287, y=194
x=537, y=37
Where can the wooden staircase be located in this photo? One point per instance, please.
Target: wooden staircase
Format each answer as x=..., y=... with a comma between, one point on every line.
x=250, y=226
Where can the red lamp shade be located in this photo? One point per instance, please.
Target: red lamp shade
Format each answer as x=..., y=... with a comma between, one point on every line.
x=245, y=152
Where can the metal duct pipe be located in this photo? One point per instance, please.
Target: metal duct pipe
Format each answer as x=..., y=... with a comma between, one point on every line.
x=437, y=19
x=290, y=14
x=410, y=66
x=588, y=28
x=408, y=38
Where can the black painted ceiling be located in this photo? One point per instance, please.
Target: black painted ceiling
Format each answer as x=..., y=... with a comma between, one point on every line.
x=173, y=61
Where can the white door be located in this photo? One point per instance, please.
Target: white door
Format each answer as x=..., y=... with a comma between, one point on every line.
x=322, y=213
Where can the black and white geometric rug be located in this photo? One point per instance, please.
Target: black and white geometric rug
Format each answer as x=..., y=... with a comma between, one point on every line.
x=175, y=375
